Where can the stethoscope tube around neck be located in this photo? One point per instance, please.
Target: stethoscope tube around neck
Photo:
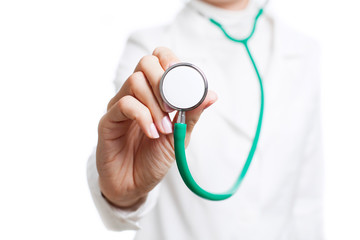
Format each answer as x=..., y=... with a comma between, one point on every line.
x=180, y=132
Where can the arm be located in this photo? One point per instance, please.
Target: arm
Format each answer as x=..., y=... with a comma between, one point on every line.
x=307, y=211
x=115, y=218
x=308, y=206
x=135, y=142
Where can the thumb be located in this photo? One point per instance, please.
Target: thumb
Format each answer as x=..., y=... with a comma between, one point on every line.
x=193, y=116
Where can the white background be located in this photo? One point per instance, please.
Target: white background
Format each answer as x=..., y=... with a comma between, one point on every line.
x=57, y=63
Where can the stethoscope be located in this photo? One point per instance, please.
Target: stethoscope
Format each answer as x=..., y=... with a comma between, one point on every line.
x=186, y=77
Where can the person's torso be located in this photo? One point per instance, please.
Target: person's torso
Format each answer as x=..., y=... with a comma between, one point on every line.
x=223, y=136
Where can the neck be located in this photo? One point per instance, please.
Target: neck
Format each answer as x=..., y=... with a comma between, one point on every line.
x=229, y=4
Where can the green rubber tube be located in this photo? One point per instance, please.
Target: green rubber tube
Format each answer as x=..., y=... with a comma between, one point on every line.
x=179, y=137
x=180, y=134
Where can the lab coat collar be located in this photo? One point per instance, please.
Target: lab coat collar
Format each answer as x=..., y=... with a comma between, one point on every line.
x=222, y=15
x=286, y=40
x=286, y=45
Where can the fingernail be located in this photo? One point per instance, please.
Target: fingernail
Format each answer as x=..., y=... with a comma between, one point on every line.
x=209, y=104
x=154, y=133
x=167, y=108
x=167, y=125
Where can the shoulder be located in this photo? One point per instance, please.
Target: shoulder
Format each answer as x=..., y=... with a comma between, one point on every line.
x=162, y=35
x=150, y=38
x=295, y=42
x=300, y=55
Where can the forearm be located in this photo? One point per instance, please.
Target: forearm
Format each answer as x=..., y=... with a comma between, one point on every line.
x=114, y=218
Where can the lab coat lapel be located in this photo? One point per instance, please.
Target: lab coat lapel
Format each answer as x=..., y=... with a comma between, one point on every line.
x=284, y=48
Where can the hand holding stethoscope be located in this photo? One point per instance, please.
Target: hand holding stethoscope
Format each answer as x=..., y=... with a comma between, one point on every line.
x=135, y=143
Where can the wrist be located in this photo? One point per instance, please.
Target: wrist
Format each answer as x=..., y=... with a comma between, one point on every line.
x=119, y=199
x=131, y=204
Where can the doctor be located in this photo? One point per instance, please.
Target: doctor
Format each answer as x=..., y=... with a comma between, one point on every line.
x=132, y=178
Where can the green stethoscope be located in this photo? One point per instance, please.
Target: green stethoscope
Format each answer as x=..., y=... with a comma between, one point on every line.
x=186, y=77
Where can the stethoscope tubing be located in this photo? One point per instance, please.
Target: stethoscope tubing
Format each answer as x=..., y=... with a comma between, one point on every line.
x=180, y=134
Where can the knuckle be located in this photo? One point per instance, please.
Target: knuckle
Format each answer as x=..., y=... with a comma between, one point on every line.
x=123, y=102
x=111, y=103
x=159, y=50
x=101, y=124
x=135, y=79
x=146, y=60
x=143, y=61
x=166, y=58
x=127, y=102
x=103, y=128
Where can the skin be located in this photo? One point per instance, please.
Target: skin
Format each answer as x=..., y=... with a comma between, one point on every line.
x=135, y=141
x=228, y=4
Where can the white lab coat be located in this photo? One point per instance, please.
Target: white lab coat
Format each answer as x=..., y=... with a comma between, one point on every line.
x=281, y=196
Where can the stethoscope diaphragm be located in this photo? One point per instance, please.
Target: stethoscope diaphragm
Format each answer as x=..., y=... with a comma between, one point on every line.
x=183, y=86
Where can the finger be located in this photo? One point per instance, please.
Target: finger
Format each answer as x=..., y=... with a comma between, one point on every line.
x=139, y=87
x=151, y=67
x=166, y=57
x=153, y=72
x=193, y=116
x=129, y=108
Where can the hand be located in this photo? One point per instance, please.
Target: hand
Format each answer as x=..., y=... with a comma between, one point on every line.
x=135, y=141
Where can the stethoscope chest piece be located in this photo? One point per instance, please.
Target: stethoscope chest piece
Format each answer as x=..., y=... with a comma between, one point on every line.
x=183, y=86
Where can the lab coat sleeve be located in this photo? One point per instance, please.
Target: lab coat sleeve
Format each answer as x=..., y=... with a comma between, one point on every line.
x=115, y=218
x=134, y=50
x=307, y=211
